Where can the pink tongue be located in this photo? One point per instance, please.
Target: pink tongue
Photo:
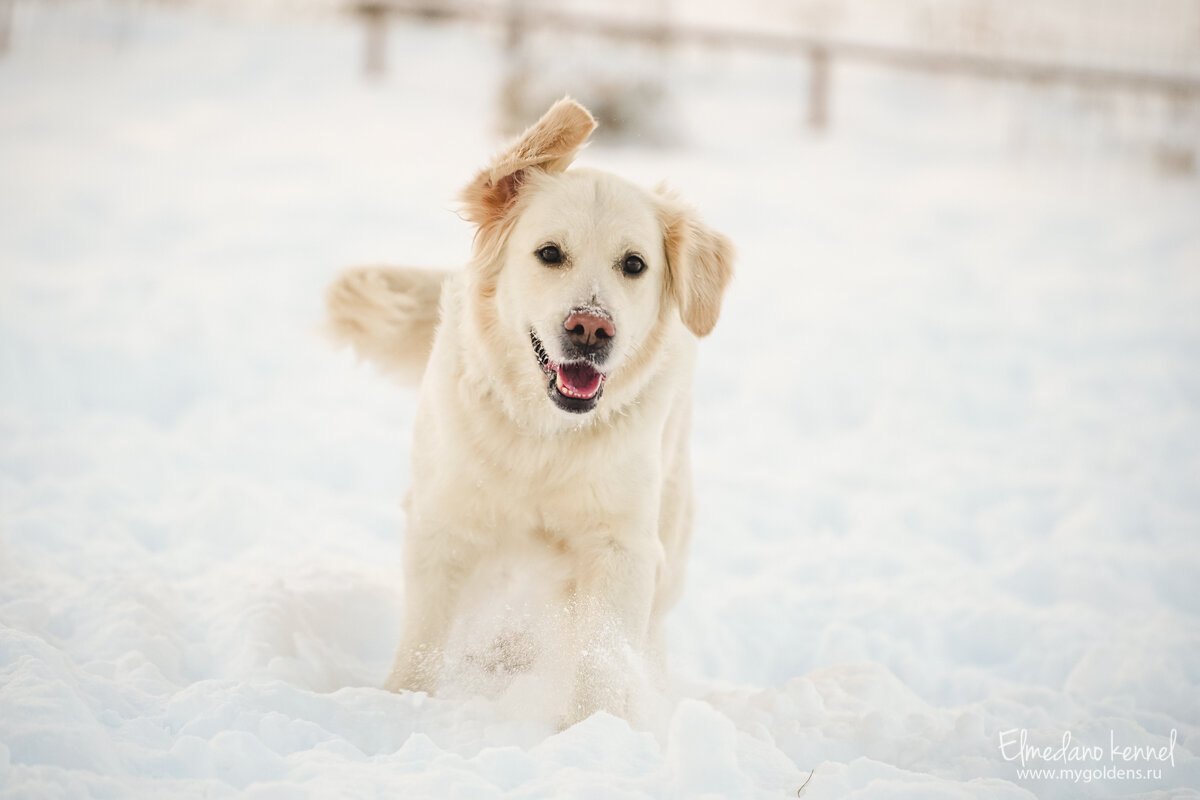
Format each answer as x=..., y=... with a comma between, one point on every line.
x=578, y=380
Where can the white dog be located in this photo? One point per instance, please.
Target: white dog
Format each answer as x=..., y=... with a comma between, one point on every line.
x=554, y=407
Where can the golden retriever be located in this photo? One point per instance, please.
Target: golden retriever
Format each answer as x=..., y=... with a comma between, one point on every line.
x=554, y=409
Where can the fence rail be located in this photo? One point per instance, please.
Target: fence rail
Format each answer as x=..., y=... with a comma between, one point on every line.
x=819, y=52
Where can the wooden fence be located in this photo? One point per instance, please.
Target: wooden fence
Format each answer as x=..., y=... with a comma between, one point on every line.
x=820, y=53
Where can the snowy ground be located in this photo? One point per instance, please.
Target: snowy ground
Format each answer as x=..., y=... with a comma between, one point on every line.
x=947, y=435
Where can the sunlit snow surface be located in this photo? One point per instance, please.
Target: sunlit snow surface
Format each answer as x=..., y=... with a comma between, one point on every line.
x=947, y=433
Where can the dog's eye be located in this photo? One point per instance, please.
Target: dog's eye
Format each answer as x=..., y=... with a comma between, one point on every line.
x=550, y=254
x=633, y=265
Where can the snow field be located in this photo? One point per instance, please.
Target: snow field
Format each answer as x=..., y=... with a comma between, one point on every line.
x=946, y=439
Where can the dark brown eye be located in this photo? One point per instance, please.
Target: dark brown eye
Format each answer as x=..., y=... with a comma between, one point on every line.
x=633, y=265
x=550, y=254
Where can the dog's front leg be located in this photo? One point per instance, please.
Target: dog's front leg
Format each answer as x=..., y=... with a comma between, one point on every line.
x=434, y=576
x=613, y=597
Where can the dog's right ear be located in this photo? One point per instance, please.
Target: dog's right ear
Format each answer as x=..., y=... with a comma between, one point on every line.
x=550, y=144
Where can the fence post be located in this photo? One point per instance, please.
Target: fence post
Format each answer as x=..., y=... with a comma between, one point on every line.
x=374, y=13
x=818, y=87
x=6, y=13
x=515, y=86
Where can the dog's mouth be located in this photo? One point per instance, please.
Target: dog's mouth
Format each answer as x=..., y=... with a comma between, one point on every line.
x=575, y=386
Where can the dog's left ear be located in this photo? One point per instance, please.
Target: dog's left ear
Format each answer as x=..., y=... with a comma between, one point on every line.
x=699, y=263
x=550, y=144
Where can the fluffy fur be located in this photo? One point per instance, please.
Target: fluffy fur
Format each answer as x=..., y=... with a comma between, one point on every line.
x=388, y=314
x=577, y=277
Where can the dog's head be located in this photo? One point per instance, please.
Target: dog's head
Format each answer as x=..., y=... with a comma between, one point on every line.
x=578, y=275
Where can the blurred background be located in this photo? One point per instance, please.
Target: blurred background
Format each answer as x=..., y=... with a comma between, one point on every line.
x=1104, y=77
x=947, y=431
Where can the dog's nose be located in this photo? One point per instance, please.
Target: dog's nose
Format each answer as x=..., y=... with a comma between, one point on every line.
x=588, y=329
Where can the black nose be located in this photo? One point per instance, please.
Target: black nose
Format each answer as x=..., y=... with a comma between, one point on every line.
x=588, y=332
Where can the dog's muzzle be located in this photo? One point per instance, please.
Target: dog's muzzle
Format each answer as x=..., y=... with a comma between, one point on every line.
x=574, y=385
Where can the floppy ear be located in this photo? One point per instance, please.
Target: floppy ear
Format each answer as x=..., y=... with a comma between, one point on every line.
x=699, y=264
x=550, y=144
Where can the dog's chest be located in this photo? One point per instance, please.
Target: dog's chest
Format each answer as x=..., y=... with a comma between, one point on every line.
x=548, y=490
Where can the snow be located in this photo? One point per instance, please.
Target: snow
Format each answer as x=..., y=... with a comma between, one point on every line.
x=947, y=432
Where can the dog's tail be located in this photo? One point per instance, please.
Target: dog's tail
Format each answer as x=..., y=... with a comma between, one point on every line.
x=387, y=314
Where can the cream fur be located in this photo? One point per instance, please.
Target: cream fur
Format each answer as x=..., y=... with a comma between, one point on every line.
x=498, y=468
x=388, y=314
